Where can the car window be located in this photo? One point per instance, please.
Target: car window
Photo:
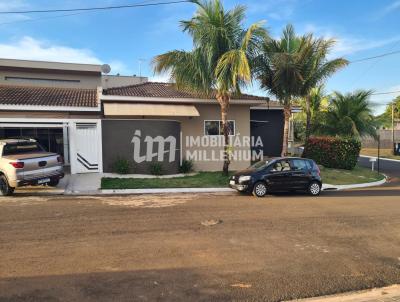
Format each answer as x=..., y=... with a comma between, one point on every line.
x=281, y=165
x=299, y=164
x=21, y=148
x=260, y=165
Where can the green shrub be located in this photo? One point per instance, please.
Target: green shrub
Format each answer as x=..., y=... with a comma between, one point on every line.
x=333, y=152
x=156, y=168
x=122, y=166
x=186, y=167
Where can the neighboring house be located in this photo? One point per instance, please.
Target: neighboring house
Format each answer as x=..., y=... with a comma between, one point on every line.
x=93, y=119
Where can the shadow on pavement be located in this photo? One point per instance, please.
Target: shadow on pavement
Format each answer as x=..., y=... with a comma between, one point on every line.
x=179, y=285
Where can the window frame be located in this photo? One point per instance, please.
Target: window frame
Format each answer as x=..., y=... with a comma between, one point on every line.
x=306, y=164
x=219, y=127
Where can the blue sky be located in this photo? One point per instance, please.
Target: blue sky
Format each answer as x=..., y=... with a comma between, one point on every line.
x=124, y=37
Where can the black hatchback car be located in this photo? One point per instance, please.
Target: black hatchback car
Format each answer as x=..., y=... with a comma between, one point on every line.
x=279, y=175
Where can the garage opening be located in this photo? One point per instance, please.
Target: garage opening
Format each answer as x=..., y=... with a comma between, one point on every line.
x=52, y=139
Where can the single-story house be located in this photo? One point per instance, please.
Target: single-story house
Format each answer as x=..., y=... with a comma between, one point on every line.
x=93, y=119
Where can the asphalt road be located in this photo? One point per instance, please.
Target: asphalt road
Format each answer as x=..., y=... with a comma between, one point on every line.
x=155, y=248
x=389, y=167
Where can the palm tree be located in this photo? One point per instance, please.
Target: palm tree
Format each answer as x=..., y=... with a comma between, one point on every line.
x=282, y=69
x=350, y=115
x=317, y=101
x=320, y=69
x=220, y=60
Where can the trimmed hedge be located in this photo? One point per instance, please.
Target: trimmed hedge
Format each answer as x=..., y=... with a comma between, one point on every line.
x=333, y=152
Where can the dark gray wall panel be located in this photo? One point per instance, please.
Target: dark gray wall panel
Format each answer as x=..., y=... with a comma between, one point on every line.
x=121, y=137
x=268, y=124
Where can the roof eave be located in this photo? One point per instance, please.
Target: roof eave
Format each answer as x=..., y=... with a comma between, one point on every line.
x=6, y=107
x=119, y=98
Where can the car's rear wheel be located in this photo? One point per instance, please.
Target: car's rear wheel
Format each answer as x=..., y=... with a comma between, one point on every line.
x=5, y=189
x=314, y=189
x=260, y=189
x=54, y=183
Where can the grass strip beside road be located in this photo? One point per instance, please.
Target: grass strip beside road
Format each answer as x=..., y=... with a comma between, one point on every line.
x=200, y=180
x=347, y=177
x=217, y=180
x=384, y=153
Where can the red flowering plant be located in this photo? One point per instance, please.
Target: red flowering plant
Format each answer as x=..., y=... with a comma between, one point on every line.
x=333, y=152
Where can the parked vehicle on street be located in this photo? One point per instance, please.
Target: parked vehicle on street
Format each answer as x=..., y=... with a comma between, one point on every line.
x=24, y=162
x=279, y=175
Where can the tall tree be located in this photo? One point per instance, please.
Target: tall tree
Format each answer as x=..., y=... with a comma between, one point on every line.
x=282, y=69
x=385, y=119
x=350, y=115
x=320, y=68
x=317, y=101
x=220, y=60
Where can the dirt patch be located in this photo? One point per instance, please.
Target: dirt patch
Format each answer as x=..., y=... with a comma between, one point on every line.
x=148, y=201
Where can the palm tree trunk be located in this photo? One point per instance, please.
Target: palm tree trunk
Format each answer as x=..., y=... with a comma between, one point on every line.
x=287, y=111
x=308, y=118
x=223, y=101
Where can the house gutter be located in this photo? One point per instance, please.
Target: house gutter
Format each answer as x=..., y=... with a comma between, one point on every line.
x=119, y=98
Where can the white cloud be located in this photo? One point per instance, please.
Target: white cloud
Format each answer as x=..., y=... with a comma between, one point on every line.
x=13, y=5
x=395, y=5
x=29, y=48
x=119, y=67
x=380, y=101
x=347, y=45
x=277, y=10
x=160, y=78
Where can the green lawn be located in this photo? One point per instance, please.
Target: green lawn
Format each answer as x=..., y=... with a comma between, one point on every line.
x=346, y=177
x=217, y=180
x=200, y=180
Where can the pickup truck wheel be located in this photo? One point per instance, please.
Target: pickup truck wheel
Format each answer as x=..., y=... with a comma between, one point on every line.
x=54, y=183
x=5, y=189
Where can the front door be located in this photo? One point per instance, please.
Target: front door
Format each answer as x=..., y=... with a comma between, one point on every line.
x=279, y=178
x=87, y=148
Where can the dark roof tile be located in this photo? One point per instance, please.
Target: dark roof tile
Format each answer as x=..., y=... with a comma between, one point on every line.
x=166, y=90
x=48, y=96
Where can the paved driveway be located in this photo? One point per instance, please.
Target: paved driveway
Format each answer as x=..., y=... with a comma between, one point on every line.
x=150, y=248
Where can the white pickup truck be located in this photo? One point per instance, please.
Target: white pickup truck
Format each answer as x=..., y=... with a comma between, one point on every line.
x=24, y=162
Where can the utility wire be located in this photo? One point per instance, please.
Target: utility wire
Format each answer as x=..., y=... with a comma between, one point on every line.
x=376, y=57
x=59, y=16
x=44, y=18
x=388, y=92
x=91, y=8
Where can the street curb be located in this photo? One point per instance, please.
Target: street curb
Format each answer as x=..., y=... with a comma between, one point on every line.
x=374, y=294
x=166, y=191
x=325, y=187
x=381, y=158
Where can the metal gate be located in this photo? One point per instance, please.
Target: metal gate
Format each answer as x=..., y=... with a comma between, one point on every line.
x=87, y=148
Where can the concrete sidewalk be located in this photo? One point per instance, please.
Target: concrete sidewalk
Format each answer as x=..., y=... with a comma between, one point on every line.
x=384, y=294
x=90, y=184
x=87, y=184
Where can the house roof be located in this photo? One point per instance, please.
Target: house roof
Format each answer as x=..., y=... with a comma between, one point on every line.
x=167, y=90
x=48, y=96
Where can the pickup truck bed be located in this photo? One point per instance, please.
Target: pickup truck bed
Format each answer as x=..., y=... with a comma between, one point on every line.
x=24, y=163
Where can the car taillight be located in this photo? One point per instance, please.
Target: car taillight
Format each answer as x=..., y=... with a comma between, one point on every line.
x=318, y=170
x=60, y=159
x=18, y=165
